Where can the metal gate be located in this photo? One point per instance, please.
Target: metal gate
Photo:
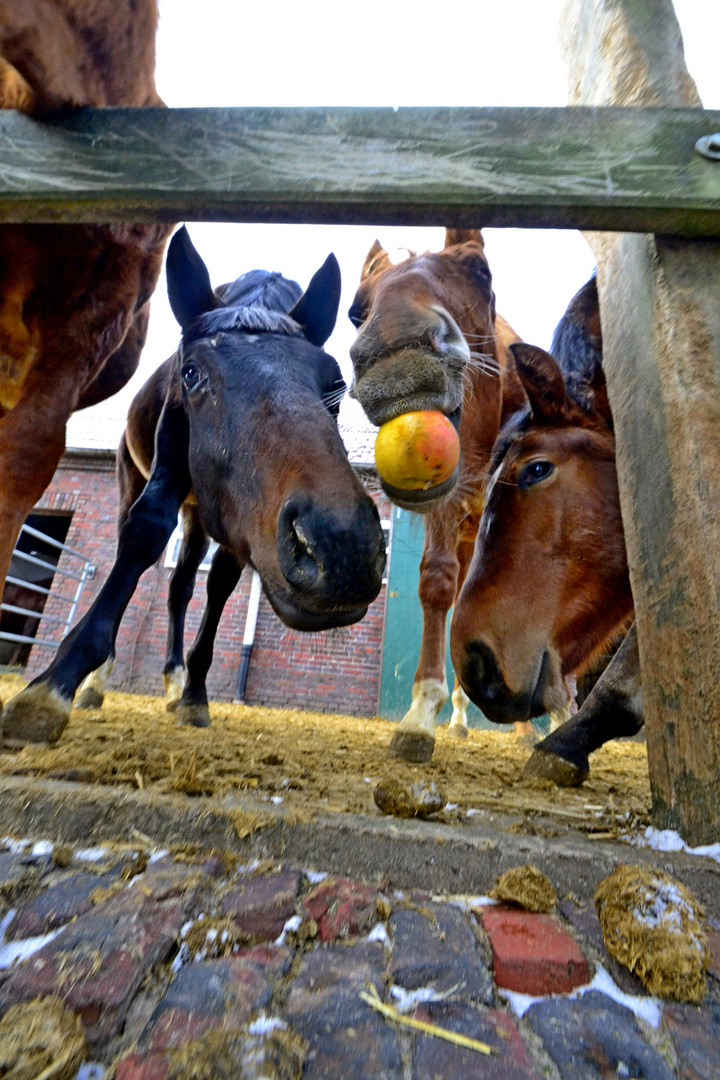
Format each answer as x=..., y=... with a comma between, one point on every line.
x=81, y=571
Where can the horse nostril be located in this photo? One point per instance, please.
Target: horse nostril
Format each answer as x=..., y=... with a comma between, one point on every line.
x=296, y=545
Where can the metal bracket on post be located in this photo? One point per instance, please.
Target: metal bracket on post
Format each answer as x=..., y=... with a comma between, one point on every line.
x=709, y=146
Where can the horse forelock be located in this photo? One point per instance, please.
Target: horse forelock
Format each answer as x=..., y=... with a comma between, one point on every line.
x=253, y=320
x=514, y=426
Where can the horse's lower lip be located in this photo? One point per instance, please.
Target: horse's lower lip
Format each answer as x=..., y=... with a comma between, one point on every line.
x=424, y=500
x=297, y=617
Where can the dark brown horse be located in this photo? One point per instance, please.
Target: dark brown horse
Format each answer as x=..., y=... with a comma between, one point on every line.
x=548, y=587
x=73, y=298
x=243, y=424
x=428, y=338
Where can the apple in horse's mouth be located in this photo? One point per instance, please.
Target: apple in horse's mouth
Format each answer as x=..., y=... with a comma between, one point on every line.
x=417, y=450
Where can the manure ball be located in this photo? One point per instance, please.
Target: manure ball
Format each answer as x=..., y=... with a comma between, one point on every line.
x=417, y=450
x=653, y=925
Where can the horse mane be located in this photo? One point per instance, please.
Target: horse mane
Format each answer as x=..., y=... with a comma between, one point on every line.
x=256, y=302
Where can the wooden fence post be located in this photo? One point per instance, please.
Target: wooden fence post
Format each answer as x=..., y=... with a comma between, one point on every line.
x=660, y=305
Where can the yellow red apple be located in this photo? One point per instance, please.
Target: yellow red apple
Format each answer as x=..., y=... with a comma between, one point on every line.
x=417, y=450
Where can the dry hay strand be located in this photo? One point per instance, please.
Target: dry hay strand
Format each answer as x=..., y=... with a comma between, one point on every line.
x=41, y=1040
x=255, y=1051
x=653, y=925
x=526, y=887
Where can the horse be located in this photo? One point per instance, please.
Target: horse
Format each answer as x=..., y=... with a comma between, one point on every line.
x=243, y=421
x=429, y=338
x=73, y=298
x=548, y=588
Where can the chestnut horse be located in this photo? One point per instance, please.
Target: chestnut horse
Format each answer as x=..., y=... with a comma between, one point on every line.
x=243, y=421
x=428, y=338
x=73, y=298
x=548, y=588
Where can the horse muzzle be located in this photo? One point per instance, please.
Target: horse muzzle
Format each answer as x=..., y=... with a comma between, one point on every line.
x=483, y=682
x=332, y=563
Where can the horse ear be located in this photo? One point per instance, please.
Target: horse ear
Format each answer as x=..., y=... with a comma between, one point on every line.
x=461, y=236
x=542, y=380
x=376, y=259
x=188, y=281
x=316, y=310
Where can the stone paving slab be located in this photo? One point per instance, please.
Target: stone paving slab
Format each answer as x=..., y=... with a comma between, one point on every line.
x=119, y=965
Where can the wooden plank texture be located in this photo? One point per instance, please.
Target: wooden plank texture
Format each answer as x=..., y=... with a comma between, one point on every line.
x=660, y=306
x=567, y=168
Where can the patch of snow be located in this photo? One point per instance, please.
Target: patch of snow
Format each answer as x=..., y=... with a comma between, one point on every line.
x=472, y=812
x=15, y=952
x=15, y=847
x=669, y=840
x=42, y=847
x=663, y=904
x=291, y=925
x=407, y=999
x=468, y=902
x=159, y=854
x=451, y=806
x=276, y=799
x=519, y=1003
x=314, y=876
x=379, y=933
x=94, y=854
x=648, y=1009
x=262, y=1024
x=7, y=919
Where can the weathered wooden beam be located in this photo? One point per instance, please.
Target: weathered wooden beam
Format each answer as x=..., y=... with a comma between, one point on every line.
x=660, y=306
x=565, y=168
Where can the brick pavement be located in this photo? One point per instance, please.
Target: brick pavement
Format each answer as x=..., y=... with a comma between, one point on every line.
x=255, y=970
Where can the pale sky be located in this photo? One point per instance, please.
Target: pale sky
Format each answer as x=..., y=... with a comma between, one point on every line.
x=223, y=52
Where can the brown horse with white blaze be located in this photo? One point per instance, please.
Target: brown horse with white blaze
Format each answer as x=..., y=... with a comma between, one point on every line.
x=73, y=298
x=428, y=339
x=548, y=588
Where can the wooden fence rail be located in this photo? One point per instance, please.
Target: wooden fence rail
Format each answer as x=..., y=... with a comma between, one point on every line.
x=582, y=168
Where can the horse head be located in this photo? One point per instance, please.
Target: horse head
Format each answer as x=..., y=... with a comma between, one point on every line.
x=548, y=586
x=425, y=335
x=269, y=472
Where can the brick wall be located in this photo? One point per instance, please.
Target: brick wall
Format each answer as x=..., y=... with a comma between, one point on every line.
x=334, y=671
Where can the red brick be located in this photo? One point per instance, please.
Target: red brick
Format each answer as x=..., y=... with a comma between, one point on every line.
x=533, y=954
x=142, y=1067
x=341, y=908
x=260, y=906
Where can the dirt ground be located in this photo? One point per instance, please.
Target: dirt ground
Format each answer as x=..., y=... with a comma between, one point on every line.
x=314, y=762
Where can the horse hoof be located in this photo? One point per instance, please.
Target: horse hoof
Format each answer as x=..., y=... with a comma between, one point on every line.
x=545, y=765
x=89, y=698
x=37, y=714
x=459, y=731
x=174, y=682
x=416, y=747
x=195, y=715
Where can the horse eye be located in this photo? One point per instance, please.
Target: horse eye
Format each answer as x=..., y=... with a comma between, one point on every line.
x=191, y=377
x=534, y=472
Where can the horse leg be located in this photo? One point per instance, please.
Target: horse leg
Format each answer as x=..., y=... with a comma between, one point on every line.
x=130, y=485
x=182, y=584
x=224, y=575
x=414, y=739
x=613, y=709
x=41, y=711
x=458, y=721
